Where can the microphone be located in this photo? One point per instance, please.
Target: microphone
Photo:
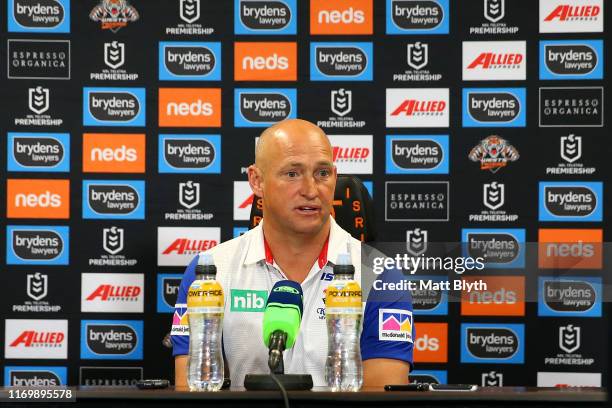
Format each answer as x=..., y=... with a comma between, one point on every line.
x=281, y=320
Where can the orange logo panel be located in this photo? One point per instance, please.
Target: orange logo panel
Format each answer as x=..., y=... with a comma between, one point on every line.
x=265, y=61
x=570, y=248
x=341, y=17
x=27, y=198
x=190, y=107
x=504, y=296
x=113, y=153
x=431, y=344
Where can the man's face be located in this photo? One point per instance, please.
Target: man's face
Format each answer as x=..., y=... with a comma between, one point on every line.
x=298, y=184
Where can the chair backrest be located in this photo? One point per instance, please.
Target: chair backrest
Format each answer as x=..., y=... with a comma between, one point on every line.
x=352, y=208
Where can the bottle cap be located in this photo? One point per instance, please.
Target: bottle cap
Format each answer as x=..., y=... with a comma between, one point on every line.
x=343, y=264
x=206, y=265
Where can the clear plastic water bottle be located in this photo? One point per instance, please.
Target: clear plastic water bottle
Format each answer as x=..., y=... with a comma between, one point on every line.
x=205, y=309
x=343, y=367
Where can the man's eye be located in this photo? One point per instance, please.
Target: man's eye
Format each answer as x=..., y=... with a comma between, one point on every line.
x=292, y=173
x=324, y=173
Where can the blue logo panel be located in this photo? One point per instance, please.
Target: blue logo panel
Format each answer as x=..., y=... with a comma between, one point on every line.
x=111, y=339
x=189, y=154
x=436, y=375
x=494, y=107
x=114, y=106
x=37, y=245
x=53, y=374
x=571, y=201
x=571, y=59
x=569, y=296
x=163, y=306
x=417, y=154
x=490, y=343
x=114, y=199
x=508, y=253
x=441, y=308
x=248, y=18
x=339, y=64
x=24, y=17
x=238, y=231
x=258, y=107
x=52, y=154
x=189, y=61
x=369, y=185
x=403, y=16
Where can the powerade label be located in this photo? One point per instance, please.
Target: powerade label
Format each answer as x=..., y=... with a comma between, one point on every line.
x=256, y=107
x=205, y=296
x=38, y=16
x=343, y=297
x=571, y=59
x=189, y=61
x=417, y=16
x=494, y=107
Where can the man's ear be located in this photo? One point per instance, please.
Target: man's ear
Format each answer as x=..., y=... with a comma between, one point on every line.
x=256, y=180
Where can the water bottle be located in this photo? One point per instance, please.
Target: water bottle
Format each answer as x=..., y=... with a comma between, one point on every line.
x=343, y=368
x=205, y=311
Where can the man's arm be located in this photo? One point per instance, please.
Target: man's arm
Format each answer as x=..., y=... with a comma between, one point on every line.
x=378, y=372
x=180, y=372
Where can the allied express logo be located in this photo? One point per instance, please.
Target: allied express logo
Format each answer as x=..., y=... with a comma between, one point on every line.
x=37, y=198
x=113, y=153
x=189, y=107
x=265, y=61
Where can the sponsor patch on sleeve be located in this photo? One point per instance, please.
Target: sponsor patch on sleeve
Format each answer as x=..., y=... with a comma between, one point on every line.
x=395, y=325
x=180, y=321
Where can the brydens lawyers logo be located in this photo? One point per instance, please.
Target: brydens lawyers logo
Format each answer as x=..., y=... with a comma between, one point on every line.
x=38, y=16
x=111, y=339
x=395, y=325
x=176, y=246
x=500, y=248
x=265, y=17
x=114, y=14
x=352, y=154
x=265, y=61
x=431, y=343
x=486, y=343
x=494, y=60
x=570, y=248
x=493, y=153
x=37, y=245
x=567, y=59
x=417, y=107
x=243, y=199
x=256, y=107
x=189, y=107
x=38, y=59
x=503, y=296
x=418, y=154
x=36, y=152
x=341, y=61
x=113, y=153
x=571, y=201
x=114, y=106
x=417, y=16
x=571, y=16
x=494, y=107
x=189, y=154
x=36, y=339
x=120, y=199
x=35, y=376
x=112, y=292
x=168, y=286
x=341, y=17
x=189, y=61
x=38, y=198
x=569, y=296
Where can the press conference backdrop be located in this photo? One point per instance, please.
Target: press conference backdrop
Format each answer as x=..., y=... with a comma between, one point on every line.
x=128, y=127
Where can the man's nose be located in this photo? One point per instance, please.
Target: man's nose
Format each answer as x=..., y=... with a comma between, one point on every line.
x=309, y=187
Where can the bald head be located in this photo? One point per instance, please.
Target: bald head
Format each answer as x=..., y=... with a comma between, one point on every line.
x=284, y=137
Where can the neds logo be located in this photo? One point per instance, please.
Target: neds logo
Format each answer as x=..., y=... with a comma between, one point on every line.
x=114, y=106
x=417, y=154
x=39, y=152
x=113, y=153
x=488, y=107
x=256, y=17
x=341, y=17
x=417, y=17
x=571, y=59
x=111, y=339
x=190, y=107
x=264, y=107
x=265, y=61
x=113, y=199
x=38, y=198
x=189, y=61
x=189, y=153
x=332, y=61
x=570, y=248
x=40, y=16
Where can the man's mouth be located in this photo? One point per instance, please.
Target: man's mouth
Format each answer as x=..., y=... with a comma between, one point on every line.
x=308, y=209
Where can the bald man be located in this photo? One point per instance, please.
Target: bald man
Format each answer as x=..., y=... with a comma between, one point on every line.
x=298, y=240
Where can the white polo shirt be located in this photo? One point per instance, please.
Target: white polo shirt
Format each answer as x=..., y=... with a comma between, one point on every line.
x=247, y=272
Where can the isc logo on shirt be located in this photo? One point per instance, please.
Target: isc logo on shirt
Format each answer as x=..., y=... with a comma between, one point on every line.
x=265, y=61
x=494, y=60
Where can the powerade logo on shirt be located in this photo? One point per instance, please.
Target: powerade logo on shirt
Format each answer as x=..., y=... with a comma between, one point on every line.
x=111, y=339
x=189, y=61
x=273, y=17
x=487, y=343
x=571, y=201
x=263, y=107
x=114, y=106
x=417, y=16
x=168, y=287
x=428, y=376
x=33, y=152
x=37, y=245
x=569, y=296
x=248, y=300
x=191, y=154
x=395, y=325
x=566, y=59
x=38, y=16
x=424, y=154
x=341, y=61
x=500, y=248
x=494, y=107
x=117, y=199
x=34, y=376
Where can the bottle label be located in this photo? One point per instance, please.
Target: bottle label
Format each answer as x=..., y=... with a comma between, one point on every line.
x=343, y=297
x=205, y=296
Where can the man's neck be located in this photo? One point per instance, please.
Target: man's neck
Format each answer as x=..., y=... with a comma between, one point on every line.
x=295, y=254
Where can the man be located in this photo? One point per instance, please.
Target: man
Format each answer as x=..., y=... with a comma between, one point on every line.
x=298, y=240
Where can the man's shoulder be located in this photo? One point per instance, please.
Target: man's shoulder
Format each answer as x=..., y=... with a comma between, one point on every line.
x=233, y=249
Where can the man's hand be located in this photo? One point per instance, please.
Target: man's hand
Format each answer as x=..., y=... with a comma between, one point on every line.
x=378, y=372
x=180, y=373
